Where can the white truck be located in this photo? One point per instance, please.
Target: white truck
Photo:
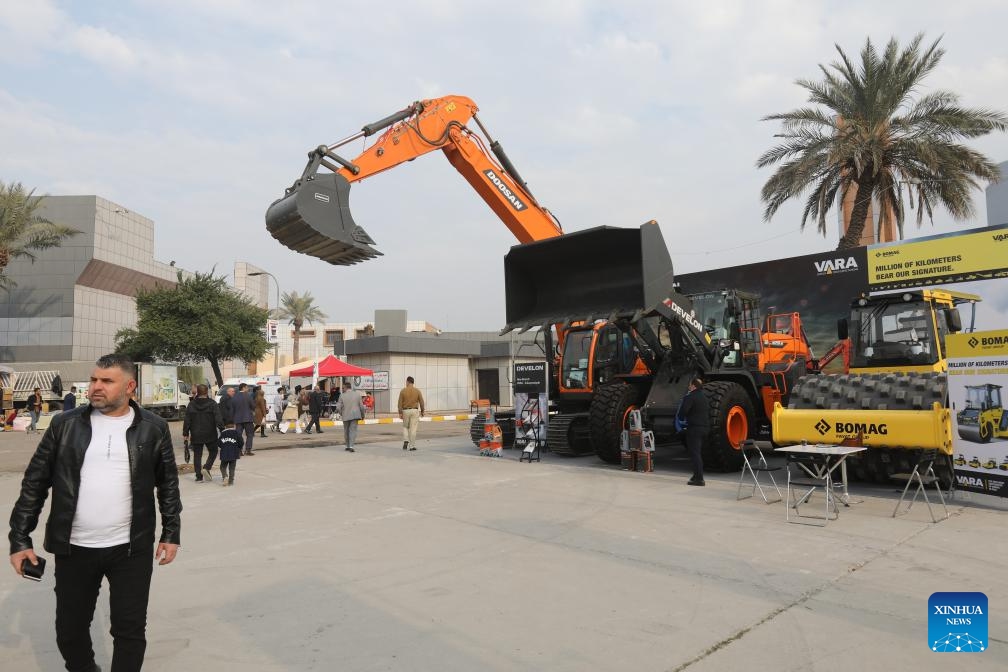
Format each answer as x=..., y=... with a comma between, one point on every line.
x=160, y=390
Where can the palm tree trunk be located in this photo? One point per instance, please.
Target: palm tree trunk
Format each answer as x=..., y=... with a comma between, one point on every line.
x=297, y=338
x=859, y=213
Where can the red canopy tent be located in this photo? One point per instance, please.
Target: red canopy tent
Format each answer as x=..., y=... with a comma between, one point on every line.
x=329, y=367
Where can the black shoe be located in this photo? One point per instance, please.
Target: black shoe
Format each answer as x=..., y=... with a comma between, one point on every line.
x=696, y=481
x=413, y=448
x=307, y=431
x=350, y=450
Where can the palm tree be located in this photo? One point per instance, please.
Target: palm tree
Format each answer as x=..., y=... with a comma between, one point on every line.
x=298, y=309
x=22, y=230
x=874, y=131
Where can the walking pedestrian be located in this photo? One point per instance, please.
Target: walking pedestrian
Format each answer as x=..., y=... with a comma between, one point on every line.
x=316, y=402
x=202, y=423
x=243, y=407
x=259, y=417
x=411, y=409
x=230, y=452
x=34, y=408
x=70, y=400
x=279, y=404
x=103, y=464
x=694, y=412
x=351, y=409
x=227, y=405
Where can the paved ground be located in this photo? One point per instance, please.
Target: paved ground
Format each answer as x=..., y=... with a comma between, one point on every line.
x=444, y=560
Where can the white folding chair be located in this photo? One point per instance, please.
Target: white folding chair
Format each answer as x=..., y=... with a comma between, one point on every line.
x=754, y=464
x=923, y=475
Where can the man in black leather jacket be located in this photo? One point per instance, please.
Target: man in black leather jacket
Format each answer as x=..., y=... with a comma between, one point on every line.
x=103, y=463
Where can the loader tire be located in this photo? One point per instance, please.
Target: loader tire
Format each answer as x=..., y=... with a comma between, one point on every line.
x=610, y=406
x=568, y=434
x=731, y=421
x=877, y=391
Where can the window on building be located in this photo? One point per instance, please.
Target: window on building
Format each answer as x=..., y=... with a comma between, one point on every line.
x=332, y=337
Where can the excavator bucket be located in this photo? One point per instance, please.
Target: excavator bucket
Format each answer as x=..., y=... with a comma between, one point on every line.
x=314, y=218
x=599, y=273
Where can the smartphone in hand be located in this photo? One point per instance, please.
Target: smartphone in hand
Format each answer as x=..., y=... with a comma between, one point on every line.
x=33, y=572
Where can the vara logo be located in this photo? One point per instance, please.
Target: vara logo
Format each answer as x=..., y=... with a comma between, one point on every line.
x=512, y=198
x=822, y=427
x=957, y=622
x=973, y=342
x=1000, y=237
x=837, y=265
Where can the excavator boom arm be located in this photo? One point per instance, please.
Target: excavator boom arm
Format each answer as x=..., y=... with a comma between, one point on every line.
x=313, y=216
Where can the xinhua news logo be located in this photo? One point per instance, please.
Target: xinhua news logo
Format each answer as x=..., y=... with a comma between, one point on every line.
x=957, y=622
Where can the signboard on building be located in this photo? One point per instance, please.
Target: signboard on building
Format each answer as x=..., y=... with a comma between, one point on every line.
x=378, y=381
x=979, y=254
x=977, y=386
x=272, y=331
x=530, y=377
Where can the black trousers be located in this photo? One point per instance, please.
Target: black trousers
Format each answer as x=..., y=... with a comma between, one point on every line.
x=247, y=430
x=225, y=466
x=197, y=449
x=694, y=444
x=313, y=419
x=78, y=580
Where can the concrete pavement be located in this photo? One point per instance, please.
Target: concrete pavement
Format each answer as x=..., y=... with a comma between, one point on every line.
x=443, y=560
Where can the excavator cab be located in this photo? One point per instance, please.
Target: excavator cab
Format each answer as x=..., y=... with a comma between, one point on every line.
x=596, y=354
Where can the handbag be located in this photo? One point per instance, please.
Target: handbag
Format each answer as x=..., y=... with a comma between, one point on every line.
x=188, y=455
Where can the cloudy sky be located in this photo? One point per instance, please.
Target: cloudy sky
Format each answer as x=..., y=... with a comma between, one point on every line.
x=198, y=114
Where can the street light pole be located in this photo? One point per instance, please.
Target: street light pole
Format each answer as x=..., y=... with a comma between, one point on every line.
x=276, y=346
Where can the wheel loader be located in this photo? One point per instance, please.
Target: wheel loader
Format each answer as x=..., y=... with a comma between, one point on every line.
x=894, y=397
x=983, y=418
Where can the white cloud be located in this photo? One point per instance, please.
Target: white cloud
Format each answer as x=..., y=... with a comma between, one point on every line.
x=614, y=113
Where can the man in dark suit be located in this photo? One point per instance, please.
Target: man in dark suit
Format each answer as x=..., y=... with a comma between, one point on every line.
x=695, y=413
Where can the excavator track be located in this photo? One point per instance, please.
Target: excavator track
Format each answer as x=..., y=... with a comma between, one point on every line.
x=878, y=391
x=568, y=434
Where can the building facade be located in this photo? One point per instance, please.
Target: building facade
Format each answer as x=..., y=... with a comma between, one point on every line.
x=69, y=304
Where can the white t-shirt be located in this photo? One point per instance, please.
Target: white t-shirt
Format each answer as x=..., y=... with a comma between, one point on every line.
x=105, y=501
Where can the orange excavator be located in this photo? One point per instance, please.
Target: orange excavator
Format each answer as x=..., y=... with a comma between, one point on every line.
x=626, y=338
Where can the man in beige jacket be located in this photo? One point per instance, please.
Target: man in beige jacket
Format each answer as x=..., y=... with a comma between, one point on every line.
x=411, y=409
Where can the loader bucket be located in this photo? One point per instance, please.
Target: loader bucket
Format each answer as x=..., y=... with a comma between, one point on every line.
x=314, y=219
x=598, y=273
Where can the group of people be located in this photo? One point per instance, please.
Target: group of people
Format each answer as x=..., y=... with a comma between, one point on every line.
x=225, y=429
x=105, y=463
x=348, y=405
